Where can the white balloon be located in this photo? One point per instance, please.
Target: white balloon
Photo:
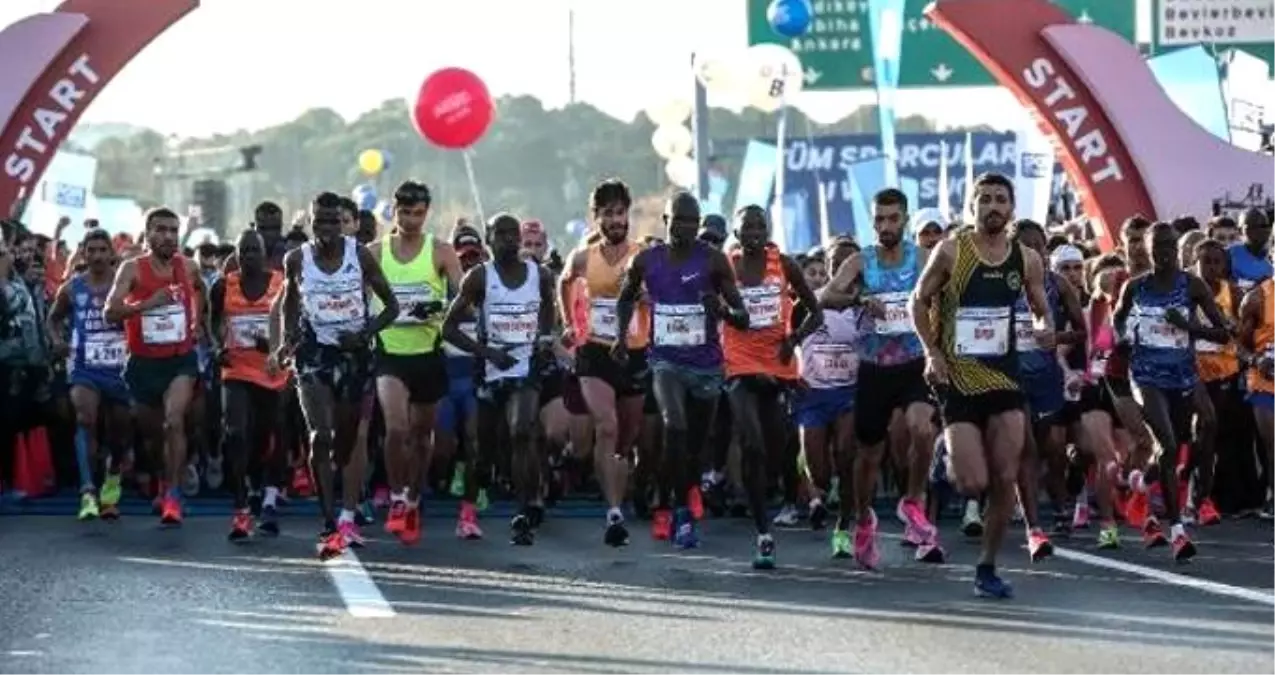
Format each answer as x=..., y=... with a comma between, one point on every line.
x=773, y=76
x=681, y=171
x=669, y=113
x=672, y=141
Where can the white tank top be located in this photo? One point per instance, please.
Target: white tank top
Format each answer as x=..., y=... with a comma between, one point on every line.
x=828, y=357
x=332, y=304
x=511, y=319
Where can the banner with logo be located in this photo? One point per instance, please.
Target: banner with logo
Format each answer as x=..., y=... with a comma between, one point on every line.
x=1034, y=175
x=885, y=20
x=65, y=189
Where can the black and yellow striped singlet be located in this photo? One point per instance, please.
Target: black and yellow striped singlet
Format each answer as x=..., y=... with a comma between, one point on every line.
x=976, y=319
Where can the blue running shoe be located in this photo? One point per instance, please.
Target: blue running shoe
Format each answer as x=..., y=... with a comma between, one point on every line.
x=988, y=585
x=685, y=530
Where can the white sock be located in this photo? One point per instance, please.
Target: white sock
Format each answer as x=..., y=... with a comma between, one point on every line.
x=615, y=515
x=347, y=516
x=1176, y=530
x=272, y=494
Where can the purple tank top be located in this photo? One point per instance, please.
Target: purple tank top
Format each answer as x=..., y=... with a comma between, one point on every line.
x=681, y=332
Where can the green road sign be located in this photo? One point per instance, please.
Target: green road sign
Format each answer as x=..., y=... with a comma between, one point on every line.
x=1246, y=25
x=837, y=50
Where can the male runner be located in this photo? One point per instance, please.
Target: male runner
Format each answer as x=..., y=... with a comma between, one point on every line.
x=325, y=323
x=411, y=373
x=95, y=372
x=1250, y=260
x=759, y=359
x=612, y=388
x=686, y=281
x=891, y=370
x=1219, y=368
x=1257, y=331
x=514, y=300
x=159, y=296
x=1164, y=304
x=251, y=379
x=971, y=359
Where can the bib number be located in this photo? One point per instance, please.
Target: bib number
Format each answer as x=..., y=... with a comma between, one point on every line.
x=1024, y=334
x=1207, y=347
x=603, y=319
x=513, y=324
x=164, y=325
x=409, y=296
x=338, y=309
x=1155, y=331
x=104, y=350
x=762, y=303
x=836, y=364
x=897, y=321
x=469, y=328
x=245, y=329
x=680, y=325
x=982, y=331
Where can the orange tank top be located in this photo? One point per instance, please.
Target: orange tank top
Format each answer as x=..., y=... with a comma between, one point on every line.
x=1215, y=361
x=1264, y=339
x=756, y=351
x=245, y=320
x=604, y=281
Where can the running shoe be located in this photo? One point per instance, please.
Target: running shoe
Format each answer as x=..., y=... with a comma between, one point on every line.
x=1038, y=544
x=268, y=521
x=190, y=480
x=467, y=523
x=301, y=484
x=764, y=556
x=366, y=515
x=1153, y=534
x=930, y=552
x=972, y=519
x=331, y=545
x=917, y=529
x=214, y=474
x=841, y=547
x=865, y=543
x=1137, y=509
x=1208, y=514
x=1080, y=516
x=88, y=507
x=170, y=512
x=411, y=532
x=616, y=534
x=787, y=517
x=520, y=531
x=396, y=521
x=111, y=490
x=988, y=585
x=685, y=530
x=818, y=516
x=535, y=514
x=457, y=487
x=1188, y=515
x=662, y=525
x=1183, y=549
x=240, y=526
x=695, y=502
x=350, y=533
x=482, y=503
x=1109, y=537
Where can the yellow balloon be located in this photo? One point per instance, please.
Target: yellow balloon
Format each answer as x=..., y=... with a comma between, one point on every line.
x=371, y=162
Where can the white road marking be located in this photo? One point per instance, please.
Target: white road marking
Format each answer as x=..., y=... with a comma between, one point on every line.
x=1249, y=594
x=357, y=590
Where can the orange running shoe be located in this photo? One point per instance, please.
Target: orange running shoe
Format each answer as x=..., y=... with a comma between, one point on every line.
x=1208, y=513
x=170, y=511
x=1183, y=549
x=240, y=526
x=411, y=533
x=1153, y=534
x=662, y=525
x=1038, y=545
x=1136, y=509
x=331, y=545
x=396, y=521
x=695, y=502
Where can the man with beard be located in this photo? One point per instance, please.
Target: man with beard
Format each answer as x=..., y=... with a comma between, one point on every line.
x=159, y=297
x=95, y=372
x=535, y=241
x=326, y=326
x=970, y=358
x=613, y=388
x=251, y=378
x=411, y=372
x=891, y=373
x=759, y=359
x=686, y=282
x=514, y=301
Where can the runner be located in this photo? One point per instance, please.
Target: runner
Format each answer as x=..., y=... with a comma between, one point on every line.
x=1250, y=260
x=514, y=300
x=1257, y=330
x=612, y=388
x=1219, y=369
x=760, y=368
x=158, y=296
x=891, y=370
x=1163, y=303
x=95, y=372
x=971, y=358
x=251, y=378
x=325, y=324
x=686, y=282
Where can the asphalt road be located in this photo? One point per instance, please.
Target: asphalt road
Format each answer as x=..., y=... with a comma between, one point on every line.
x=128, y=597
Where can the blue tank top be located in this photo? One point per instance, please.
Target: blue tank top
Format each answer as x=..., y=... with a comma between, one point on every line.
x=1248, y=269
x=1163, y=356
x=681, y=332
x=460, y=364
x=97, y=347
x=890, y=341
x=1032, y=359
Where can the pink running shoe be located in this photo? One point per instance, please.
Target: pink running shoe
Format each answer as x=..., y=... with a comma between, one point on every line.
x=350, y=532
x=467, y=523
x=1080, y=517
x=865, y=543
x=917, y=529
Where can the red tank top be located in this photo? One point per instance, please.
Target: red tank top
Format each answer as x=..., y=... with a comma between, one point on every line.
x=168, y=330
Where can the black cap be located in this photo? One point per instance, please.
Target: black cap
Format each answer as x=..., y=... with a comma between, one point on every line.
x=466, y=238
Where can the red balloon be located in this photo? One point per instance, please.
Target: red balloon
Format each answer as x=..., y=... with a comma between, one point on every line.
x=453, y=108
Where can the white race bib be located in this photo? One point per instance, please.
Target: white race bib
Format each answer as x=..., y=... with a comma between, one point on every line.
x=512, y=324
x=897, y=321
x=1207, y=347
x=602, y=319
x=336, y=309
x=680, y=325
x=246, y=328
x=164, y=325
x=104, y=350
x=409, y=296
x=469, y=328
x=833, y=363
x=762, y=303
x=1244, y=285
x=1024, y=334
x=1098, y=368
x=982, y=331
x=1154, y=330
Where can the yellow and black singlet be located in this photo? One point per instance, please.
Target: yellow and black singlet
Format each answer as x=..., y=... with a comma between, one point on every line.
x=976, y=319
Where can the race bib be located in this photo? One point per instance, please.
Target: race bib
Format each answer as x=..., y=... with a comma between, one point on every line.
x=1207, y=347
x=164, y=325
x=982, y=331
x=1244, y=285
x=1024, y=334
x=835, y=364
x=1098, y=368
x=603, y=319
x=762, y=303
x=1154, y=330
x=897, y=321
x=409, y=296
x=680, y=325
x=512, y=324
x=469, y=328
x=337, y=308
x=246, y=328
x=104, y=350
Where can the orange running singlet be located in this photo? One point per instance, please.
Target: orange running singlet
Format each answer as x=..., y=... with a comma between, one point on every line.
x=756, y=351
x=244, y=321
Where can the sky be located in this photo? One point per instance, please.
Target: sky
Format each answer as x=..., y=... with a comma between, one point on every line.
x=252, y=63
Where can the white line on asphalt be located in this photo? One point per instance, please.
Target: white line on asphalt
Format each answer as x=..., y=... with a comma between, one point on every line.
x=1250, y=594
x=357, y=590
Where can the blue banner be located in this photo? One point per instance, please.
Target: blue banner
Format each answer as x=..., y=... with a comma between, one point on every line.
x=885, y=21
x=866, y=178
x=1192, y=80
x=757, y=175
